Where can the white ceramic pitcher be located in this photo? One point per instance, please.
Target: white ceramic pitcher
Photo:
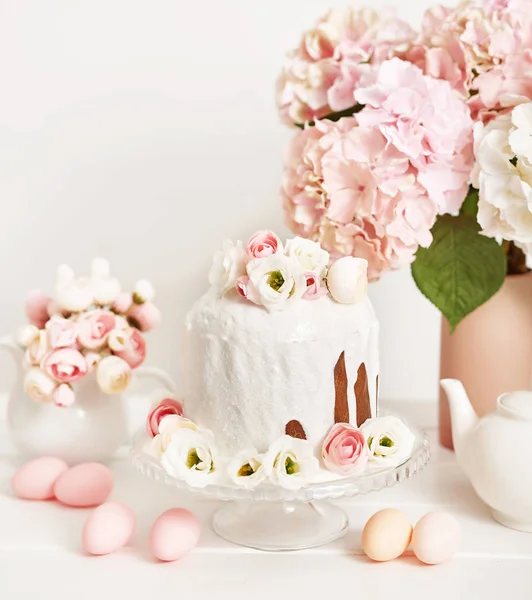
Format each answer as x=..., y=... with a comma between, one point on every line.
x=92, y=429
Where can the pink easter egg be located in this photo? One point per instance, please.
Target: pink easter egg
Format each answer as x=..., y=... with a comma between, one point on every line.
x=88, y=484
x=174, y=534
x=109, y=527
x=35, y=480
x=436, y=538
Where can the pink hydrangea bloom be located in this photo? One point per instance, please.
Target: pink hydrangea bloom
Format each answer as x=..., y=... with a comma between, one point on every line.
x=321, y=74
x=372, y=185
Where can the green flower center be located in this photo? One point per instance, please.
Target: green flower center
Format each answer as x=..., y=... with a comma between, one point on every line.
x=386, y=442
x=193, y=459
x=276, y=280
x=291, y=467
x=245, y=470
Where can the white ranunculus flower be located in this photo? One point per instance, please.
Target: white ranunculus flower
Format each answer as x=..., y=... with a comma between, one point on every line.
x=167, y=427
x=246, y=469
x=389, y=440
x=228, y=265
x=38, y=385
x=64, y=274
x=347, y=279
x=143, y=292
x=276, y=280
x=113, y=375
x=117, y=340
x=38, y=348
x=503, y=175
x=290, y=463
x=26, y=335
x=105, y=290
x=74, y=296
x=310, y=255
x=190, y=456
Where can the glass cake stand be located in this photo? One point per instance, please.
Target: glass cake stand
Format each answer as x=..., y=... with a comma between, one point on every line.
x=275, y=519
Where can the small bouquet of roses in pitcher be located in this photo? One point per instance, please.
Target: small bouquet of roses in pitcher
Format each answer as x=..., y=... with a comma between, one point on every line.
x=88, y=325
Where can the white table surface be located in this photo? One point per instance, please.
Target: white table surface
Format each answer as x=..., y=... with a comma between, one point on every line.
x=41, y=557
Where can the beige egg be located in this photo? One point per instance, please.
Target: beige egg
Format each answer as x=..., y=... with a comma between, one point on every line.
x=386, y=535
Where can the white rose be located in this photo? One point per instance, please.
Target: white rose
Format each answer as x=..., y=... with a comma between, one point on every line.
x=347, y=279
x=228, y=265
x=310, y=255
x=38, y=385
x=389, y=440
x=246, y=469
x=113, y=375
x=143, y=292
x=190, y=456
x=290, y=463
x=167, y=427
x=26, y=335
x=74, y=296
x=275, y=281
x=38, y=348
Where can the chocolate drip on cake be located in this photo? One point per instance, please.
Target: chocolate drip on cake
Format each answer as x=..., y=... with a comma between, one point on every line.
x=295, y=429
x=341, y=406
x=362, y=395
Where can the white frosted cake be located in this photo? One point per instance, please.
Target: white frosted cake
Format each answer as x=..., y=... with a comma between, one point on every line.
x=280, y=374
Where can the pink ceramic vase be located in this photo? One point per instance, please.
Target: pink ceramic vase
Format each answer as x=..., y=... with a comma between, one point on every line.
x=490, y=350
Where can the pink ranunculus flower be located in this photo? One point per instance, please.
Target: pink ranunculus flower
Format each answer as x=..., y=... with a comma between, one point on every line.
x=247, y=290
x=135, y=351
x=321, y=74
x=62, y=332
x=345, y=450
x=315, y=288
x=37, y=308
x=144, y=316
x=263, y=243
x=123, y=303
x=94, y=327
x=166, y=406
x=65, y=365
x=64, y=395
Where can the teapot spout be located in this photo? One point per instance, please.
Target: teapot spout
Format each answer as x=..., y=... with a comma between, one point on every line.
x=463, y=417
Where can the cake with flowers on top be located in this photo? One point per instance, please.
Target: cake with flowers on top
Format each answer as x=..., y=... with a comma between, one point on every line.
x=280, y=373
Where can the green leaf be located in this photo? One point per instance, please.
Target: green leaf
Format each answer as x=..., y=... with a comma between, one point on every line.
x=470, y=205
x=348, y=112
x=461, y=269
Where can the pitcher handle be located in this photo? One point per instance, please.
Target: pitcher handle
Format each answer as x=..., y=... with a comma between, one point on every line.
x=156, y=373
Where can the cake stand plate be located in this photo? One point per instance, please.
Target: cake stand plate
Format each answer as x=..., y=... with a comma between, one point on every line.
x=275, y=519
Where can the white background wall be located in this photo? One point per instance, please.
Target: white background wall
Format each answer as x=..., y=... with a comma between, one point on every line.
x=146, y=132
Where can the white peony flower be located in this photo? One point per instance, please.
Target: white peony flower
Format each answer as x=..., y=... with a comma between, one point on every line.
x=275, y=281
x=74, y=296
x=310, y=255
x=503, y=175
x=167, y=427
x=190, y=456
x=38, y=348
x=113, y=375
x=246, y=469
x=143, y=292
x=228, y=265
x=290, y=463
x=347, y=279
x=26, y=335
x=38, y=385
x=389, y=440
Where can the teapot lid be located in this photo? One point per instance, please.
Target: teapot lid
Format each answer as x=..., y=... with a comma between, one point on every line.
x=519, y=404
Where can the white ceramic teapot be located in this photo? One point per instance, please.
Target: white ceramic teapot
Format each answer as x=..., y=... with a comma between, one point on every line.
x=494, y=452
x=90, y=430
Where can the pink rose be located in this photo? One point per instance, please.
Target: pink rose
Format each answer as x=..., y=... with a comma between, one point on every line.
x=94, y=328
x=144, y=316
x=63, y=395
x=65, y=365
x=123, y=303
x=37, y=308
x=135, y=351
x=263, y=243
x=315, y=289
x=167, y=406
x=61, y=332
x=247, y=290
x=344, y=450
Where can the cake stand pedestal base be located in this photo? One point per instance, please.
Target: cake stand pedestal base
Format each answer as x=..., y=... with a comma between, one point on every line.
x=277, y=526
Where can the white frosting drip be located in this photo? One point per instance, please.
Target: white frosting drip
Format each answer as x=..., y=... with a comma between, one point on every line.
x=247, y=372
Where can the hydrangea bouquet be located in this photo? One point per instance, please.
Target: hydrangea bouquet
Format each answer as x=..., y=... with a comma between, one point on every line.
x=88, y=324
x=416, y=147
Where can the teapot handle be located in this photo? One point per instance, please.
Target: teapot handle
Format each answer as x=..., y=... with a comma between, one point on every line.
x=156, y=373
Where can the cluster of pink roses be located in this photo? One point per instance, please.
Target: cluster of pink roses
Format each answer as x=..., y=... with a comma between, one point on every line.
x=388, y=117
x=87, y=325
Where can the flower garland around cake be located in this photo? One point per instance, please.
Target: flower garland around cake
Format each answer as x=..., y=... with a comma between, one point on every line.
x=274, y=276
x=188, y=452
x=88, y=325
